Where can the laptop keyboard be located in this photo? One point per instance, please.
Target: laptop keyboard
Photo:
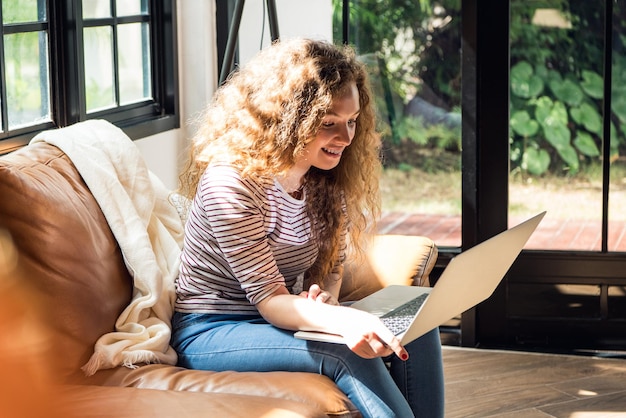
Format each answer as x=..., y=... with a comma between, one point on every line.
x=399, y=319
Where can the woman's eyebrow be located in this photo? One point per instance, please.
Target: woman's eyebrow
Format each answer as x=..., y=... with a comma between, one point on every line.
x=330, y=112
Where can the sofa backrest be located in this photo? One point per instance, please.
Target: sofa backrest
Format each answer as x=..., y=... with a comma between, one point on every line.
x=27, y=380
x=389, y=260
x=66, y=251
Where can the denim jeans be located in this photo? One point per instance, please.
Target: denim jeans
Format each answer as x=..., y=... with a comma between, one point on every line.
x=249, y=343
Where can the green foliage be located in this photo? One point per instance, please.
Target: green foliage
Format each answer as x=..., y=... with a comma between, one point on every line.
x=557, y=85
x=409, y=38
x=560, y=113
x=557, y=88
x=437, y=135
x=402, y=43
x=535, y=161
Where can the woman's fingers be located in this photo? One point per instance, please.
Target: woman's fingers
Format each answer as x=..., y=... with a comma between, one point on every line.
x=395, y=346
x=370, y=347
x=366, y=329
x=314, y=291
x=393, y=343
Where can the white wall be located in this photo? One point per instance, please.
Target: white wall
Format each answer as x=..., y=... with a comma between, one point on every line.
x=197, y=59
x=306, y=18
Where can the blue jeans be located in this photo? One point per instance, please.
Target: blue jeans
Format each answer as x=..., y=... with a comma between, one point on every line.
x=249, y=343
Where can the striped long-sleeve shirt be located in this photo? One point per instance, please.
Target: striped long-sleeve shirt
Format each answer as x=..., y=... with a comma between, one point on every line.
x=243, y=240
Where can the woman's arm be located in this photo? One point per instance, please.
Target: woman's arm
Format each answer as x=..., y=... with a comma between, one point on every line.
x=364, y=333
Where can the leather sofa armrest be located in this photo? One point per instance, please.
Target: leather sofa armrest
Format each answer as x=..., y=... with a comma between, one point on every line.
x=389, y=259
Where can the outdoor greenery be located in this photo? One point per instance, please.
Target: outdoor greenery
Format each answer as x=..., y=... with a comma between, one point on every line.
x=25, y=78
x=557, y=79
x=557, y=88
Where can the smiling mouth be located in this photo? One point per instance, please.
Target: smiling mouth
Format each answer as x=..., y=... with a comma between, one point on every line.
x=333, y=152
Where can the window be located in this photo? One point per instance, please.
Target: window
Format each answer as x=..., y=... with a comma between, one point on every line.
x=413, y=53
x=64, y=61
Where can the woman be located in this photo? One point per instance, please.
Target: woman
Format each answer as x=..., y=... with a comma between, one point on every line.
x=283, y=174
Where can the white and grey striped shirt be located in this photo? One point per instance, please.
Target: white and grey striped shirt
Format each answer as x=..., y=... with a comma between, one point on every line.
x=243, y=240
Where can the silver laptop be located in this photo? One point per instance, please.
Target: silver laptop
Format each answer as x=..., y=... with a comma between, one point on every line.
x=470, y=278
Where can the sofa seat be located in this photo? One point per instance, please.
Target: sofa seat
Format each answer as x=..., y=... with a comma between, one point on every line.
x=128, y=402
x=71, y=267
x=312, y=389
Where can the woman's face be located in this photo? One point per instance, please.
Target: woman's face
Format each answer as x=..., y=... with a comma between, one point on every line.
x=336, y=133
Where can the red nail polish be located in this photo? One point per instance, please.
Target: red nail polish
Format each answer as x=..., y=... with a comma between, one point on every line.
x=404, y=357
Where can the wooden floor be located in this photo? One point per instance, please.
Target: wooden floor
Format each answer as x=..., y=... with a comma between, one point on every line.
x=493, y=383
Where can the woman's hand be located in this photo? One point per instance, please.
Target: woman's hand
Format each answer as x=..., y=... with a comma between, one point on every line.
x=318, y=295
x=318, y=310
x=368, y=337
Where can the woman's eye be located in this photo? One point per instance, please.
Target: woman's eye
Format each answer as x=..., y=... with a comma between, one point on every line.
x=352, y=122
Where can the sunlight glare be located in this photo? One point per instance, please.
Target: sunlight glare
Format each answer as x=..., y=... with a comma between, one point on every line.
x=583, y=392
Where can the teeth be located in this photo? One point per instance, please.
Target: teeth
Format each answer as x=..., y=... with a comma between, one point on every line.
x=338, y=152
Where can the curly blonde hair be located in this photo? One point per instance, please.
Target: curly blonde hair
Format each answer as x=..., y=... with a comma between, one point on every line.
x=263, y=116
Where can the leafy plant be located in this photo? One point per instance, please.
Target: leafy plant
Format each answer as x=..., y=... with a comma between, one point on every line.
x=557, y=89
x=557, y=85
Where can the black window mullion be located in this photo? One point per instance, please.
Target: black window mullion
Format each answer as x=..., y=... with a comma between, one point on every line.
x=25, y=27
x=345, y=14
x=115, y=53
x=116, y=67
x=164, y=71
x=156, y=52
x=104, y=21
x=606, y=142
x=4, y=112
x=66, y=34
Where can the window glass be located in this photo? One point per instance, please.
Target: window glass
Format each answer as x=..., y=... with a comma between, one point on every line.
x=99, y=71
x=27, y=79
x=412, y=50
x=556, y=135
x=93, y=9
x=22, y=11
x=134, y=62
x=131, y=7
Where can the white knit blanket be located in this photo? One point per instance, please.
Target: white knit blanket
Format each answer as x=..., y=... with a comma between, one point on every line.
x=148, y=229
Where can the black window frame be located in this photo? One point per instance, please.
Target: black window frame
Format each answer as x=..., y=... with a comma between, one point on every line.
x=485, y=107
x=67, y=91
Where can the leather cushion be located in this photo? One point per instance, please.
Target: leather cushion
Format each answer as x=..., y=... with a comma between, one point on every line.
x=117, y=402
x=67, y=251
x=389, y=259
x=312, y=389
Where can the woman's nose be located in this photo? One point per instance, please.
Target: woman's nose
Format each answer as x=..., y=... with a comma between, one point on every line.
x=346, y=134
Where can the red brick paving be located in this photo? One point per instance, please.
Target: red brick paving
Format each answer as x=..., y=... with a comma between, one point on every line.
x=552, y=234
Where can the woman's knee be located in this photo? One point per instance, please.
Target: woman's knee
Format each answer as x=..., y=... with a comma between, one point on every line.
x=429, y=342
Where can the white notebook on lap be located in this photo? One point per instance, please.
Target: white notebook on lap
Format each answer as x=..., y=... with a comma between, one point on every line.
x=470, y=278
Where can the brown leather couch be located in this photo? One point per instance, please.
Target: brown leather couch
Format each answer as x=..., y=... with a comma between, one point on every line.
x=63, y=283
